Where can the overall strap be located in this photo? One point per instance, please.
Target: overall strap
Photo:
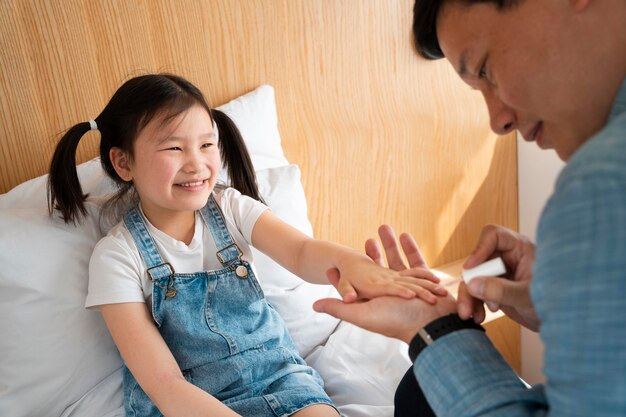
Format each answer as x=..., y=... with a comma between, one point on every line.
x=227, y=250
x=135, y=224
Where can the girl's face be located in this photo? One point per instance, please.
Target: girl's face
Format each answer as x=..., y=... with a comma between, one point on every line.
x=175, y=165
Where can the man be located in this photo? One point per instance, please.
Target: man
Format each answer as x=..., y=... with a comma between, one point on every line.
x=555, y=71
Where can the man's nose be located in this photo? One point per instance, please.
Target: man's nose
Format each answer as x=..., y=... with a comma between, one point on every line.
x=502, y=117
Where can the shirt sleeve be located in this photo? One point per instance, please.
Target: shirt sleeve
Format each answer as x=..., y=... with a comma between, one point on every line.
x=578, y=291
x=243, y=210
x=462, y=374
x=114, y=274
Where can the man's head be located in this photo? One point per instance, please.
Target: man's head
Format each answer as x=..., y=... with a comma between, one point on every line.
x=549, y=69
x=425, y=20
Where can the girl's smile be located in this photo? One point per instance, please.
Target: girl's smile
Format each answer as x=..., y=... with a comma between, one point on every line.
x=175, y=165
x=193, y=186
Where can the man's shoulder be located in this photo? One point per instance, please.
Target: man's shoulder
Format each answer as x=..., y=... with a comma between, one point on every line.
x=603, y=157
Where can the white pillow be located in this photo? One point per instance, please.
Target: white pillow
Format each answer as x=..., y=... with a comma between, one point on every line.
x=290, y=295
x=32, y=193
x=53, y=349
x=255, y=115
x=56, y=355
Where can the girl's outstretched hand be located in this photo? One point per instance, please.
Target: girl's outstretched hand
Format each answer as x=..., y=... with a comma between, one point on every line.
x=366, y=280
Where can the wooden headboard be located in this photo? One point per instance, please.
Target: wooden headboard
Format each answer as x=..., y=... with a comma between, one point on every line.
x=380, y=135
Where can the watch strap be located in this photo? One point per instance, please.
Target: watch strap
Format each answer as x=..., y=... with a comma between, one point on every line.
x=438, y=328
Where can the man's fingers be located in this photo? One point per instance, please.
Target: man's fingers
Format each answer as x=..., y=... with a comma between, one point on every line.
x=391, y=247
x=487, y=244
x=493, y=307
x=330, y=306
x=392, y=250
x=501, y=292
x=469, y=306
x=412, y=252
x=337, y=308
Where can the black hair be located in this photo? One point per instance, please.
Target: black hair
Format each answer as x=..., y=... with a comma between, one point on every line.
x=425, y=14
x=137, y=102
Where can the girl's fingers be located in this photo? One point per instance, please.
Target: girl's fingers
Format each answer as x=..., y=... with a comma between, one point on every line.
x=333, y=276
x=347, y=291
x=382, y=288
x=424, y=293
x=373, y=250
x=428, y=287
x=414, y=283
x=405, y=288
x=420, y=273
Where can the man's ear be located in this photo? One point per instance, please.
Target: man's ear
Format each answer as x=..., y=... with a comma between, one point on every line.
x=121, y=163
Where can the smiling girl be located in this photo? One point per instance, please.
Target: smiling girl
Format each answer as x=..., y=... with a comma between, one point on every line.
x=173, y=279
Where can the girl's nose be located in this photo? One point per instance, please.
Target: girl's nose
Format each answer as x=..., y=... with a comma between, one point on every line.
x=193, y=163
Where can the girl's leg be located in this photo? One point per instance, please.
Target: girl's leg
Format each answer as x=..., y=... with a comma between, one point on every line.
x=317, y=410
x=409, y=400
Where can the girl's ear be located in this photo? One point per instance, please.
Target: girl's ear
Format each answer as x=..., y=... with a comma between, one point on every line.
x=121, y=163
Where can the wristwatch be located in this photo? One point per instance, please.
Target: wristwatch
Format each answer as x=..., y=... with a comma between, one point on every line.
x=438, y=328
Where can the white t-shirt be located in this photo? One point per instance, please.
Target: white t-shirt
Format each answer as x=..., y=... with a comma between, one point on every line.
x=117, y=273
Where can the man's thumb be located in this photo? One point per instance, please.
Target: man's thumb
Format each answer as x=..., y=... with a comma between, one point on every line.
x=327, y=305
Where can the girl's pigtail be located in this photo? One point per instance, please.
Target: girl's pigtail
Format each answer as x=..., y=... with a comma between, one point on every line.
x=64, y=190
x=235, y=156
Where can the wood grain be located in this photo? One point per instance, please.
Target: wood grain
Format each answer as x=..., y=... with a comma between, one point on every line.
x=380, y=135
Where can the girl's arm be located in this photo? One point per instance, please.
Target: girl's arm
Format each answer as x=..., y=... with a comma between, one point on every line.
x=149, y=359
x=359, y=276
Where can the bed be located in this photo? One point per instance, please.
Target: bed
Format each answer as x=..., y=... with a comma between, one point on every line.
x=347, y=129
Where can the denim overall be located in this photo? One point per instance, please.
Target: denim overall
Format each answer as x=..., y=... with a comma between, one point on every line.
x=227, y=339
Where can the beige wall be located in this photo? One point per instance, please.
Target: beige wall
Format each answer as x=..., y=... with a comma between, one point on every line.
x=537, y=172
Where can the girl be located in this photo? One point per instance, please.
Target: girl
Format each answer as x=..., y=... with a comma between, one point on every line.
x=173, y=279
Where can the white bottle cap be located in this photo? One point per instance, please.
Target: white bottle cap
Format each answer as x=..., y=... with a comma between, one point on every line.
x=491, y=268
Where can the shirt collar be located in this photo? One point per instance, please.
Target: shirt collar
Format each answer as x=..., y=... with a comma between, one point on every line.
x=619, y=105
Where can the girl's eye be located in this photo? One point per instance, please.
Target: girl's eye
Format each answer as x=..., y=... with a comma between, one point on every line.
x=207, y=145
x=174, y=148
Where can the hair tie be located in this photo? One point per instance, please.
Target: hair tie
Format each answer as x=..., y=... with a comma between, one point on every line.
x=93, y=125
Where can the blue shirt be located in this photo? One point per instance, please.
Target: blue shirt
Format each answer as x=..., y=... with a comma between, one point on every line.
x=579, y=293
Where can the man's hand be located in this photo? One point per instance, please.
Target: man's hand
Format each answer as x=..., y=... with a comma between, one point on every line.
x=392, y=251
x=509, y=293
x=391, y=316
